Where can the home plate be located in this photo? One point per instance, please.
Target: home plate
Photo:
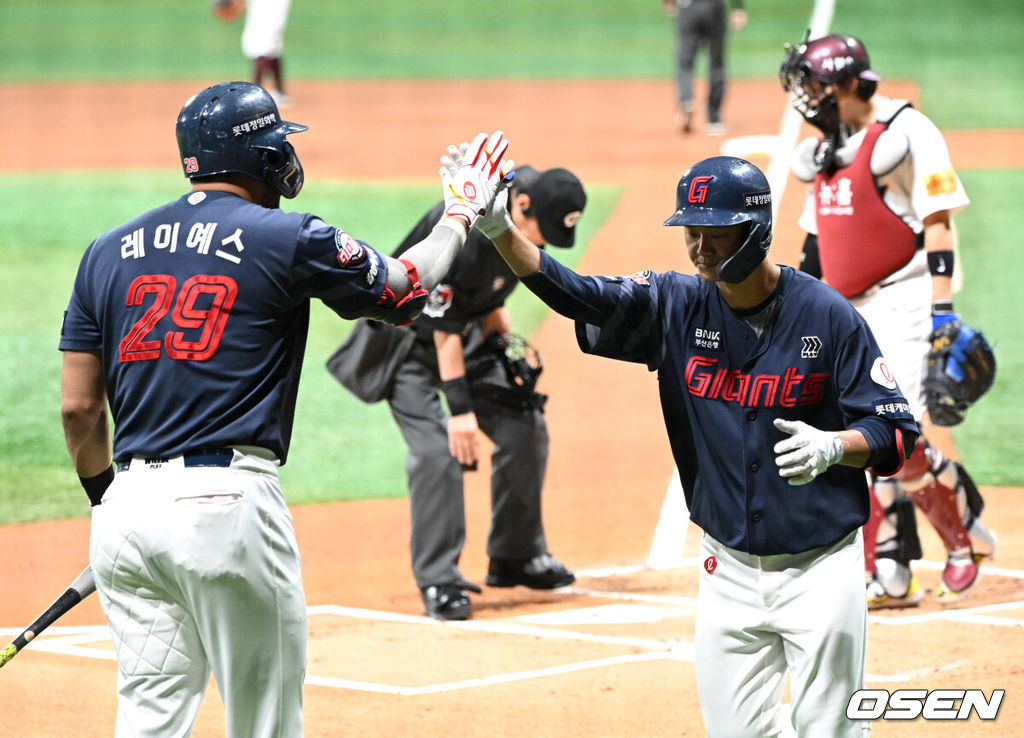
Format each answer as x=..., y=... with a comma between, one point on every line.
x=598, y=615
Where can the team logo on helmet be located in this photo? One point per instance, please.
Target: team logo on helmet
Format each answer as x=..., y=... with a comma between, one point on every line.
x=698, y=190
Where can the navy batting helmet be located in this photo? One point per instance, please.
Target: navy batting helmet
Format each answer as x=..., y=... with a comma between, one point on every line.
x=726, y=191
x=235, y=127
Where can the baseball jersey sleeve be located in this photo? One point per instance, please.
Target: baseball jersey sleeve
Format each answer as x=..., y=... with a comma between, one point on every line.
x=634, y=330
x=345, y=273
x=606, y=310
x=936, y=186
x=80, y=329
x=870, y=399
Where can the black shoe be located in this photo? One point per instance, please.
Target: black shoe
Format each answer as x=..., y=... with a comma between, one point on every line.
x=445, y=602
x=540, y=572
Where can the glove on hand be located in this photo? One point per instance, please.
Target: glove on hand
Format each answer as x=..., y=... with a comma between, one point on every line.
x=497, y=220
x=807, y=453
x=470, y=175
x=960, y=368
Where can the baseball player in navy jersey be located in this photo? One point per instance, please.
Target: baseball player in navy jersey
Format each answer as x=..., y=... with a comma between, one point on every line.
x=775, y=397
x=191, y=321
x=878, y=216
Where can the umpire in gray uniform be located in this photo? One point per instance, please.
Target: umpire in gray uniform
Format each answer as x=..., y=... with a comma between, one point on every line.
x=702, y=23
x=462, y=346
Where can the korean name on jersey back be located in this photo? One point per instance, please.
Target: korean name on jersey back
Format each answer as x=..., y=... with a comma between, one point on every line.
x=198, y=239
x=169, y=237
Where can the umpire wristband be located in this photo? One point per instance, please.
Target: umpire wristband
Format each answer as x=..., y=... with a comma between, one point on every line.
x=95, y=486
x=456, y=391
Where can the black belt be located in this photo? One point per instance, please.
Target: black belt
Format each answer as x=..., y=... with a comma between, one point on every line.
x=202, y=457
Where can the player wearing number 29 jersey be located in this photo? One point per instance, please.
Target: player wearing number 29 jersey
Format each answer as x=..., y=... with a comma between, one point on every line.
x=190, y=321
x=200, y=309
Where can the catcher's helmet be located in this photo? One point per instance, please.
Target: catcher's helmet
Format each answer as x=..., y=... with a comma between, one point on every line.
x=235, y=127
x=725, y=191
x=824, y=61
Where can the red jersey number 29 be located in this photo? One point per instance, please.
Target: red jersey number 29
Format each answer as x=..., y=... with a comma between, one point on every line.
x=217, y=294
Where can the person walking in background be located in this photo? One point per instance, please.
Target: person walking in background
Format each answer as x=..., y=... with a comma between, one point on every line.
x=191, y=321
x=760, y=367
x=462, y=348
x=879, y=222
x=702, y=23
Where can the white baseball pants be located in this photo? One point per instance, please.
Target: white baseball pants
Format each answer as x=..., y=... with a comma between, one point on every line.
x=900, y=317
x=198, y=568
x=761, y=616
x=263, y=32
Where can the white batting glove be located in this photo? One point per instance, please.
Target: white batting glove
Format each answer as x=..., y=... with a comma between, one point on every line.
x=470, y=175
x=807, y=453
x=496, y=220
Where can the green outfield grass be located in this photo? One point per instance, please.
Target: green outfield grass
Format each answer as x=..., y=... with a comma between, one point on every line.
x=965, y=57
x=40, y=260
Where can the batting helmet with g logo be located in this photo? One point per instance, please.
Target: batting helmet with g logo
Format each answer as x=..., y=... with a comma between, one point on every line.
x=236, y=127
x=726, y=191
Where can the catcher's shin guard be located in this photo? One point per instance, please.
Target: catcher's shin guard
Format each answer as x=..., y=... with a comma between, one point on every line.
x=931, y=481
x=875, y=518
x=935, y=493
x=896, y=528
x=892, y=583
x=983, y=541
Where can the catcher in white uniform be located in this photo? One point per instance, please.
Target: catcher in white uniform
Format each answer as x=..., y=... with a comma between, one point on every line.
x=878, y=217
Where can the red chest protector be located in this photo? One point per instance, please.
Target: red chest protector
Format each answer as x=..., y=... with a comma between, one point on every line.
x=860, y=240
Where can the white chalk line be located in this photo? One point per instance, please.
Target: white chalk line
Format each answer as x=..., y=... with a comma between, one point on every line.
x=74, y=640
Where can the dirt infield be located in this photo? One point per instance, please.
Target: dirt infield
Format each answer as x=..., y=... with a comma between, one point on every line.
x=611, y=656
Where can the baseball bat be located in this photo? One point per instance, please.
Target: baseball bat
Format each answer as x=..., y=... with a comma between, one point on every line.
x=81, y=588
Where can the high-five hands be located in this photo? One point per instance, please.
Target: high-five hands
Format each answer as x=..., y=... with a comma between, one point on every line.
x=470, y=176
x=807, y=453
x=497, y=220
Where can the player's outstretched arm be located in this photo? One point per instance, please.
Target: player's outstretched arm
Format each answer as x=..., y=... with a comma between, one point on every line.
x=518, y=252
x=590, y=300
x=471, y=175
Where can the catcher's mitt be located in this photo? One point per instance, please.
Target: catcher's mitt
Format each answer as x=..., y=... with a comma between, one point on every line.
x=960, y=368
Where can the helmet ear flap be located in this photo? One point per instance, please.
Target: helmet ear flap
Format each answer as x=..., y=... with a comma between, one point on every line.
x=741, y=265
x=284, y=170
